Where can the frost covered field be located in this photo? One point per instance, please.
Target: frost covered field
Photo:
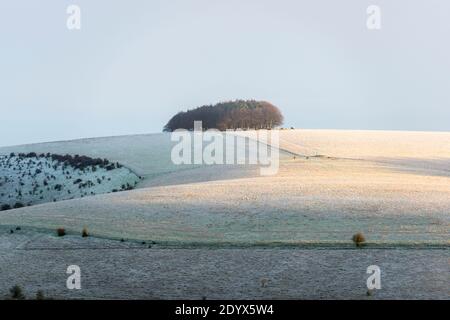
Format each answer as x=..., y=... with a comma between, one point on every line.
x=29, y=179
x=394, y=187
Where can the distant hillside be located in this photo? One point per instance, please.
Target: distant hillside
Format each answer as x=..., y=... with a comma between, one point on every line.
x=239, y=114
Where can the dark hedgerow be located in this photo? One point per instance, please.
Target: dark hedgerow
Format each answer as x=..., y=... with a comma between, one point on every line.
x=76, y=161
x=5, y=207
x=18, y=205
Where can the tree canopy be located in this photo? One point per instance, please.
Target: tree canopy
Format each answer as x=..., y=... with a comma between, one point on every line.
x=238, y=114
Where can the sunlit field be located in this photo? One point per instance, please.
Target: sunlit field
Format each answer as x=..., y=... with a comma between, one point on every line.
x=393, y=187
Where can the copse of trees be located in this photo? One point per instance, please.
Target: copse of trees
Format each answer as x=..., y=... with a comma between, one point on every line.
x=239, y=114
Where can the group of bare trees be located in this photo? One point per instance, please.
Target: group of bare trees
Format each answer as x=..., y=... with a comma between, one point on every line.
x=239, y=114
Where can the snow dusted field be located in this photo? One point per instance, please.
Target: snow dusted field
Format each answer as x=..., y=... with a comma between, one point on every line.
x=394, y=187
x=25, y=181
x=146, y=155
x=311, y=201
x=115, y=270
x=368, y=145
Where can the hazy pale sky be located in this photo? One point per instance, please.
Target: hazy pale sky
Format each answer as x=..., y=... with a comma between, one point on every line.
x=135, y=63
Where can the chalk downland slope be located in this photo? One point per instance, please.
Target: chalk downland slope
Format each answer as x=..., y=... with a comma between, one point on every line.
x=29, y=179
x=410, y=149
x=346, y=182
x=147, y=155
x=330, y=186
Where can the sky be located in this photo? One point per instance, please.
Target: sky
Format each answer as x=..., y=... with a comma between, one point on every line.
x=134, y=64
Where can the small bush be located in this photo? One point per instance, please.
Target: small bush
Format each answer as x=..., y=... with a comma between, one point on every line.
x=40, y=295
x=5, y=207
x=264, y=283
x=359, y=239
x=61, y=232
x=84, y=233
x=18, y=205
x=16, y=293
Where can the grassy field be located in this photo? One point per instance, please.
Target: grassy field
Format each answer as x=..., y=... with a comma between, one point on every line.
x=312, y=200
x=394, y=187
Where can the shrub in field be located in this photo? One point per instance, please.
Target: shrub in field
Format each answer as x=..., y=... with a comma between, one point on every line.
x=264, y=283
x=40, y=295
x=359, y=239
x=61, y=232
x=16, y=293
x=84, y=233
x=18, y=205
